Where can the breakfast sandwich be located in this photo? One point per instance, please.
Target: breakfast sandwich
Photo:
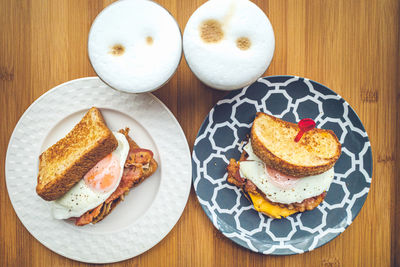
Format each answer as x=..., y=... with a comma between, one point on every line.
x=89, y=171
x=284, y=169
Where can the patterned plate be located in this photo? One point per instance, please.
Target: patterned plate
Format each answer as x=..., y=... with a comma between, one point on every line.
x=147, y=213
x=219, y=139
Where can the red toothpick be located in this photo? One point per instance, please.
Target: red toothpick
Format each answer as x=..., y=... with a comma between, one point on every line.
x=305, y=125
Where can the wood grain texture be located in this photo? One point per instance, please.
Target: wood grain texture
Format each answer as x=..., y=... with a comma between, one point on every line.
x=350, y=46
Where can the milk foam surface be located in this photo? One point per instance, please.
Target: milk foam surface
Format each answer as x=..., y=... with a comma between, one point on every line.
x=151, y=41
x=222, y=64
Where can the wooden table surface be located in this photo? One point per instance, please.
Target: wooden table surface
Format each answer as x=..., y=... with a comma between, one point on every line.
x=350, y=46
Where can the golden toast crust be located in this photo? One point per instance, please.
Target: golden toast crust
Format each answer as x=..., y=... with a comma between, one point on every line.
x=65, y=163
x=272, y=141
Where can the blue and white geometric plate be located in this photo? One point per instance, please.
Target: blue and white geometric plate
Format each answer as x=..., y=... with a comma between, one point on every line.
x=219, y=139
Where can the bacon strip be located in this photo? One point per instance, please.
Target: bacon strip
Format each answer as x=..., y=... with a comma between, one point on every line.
x=130, y=177
x=234, y=174
x=235, y=178
x=307, y=204
x=138, y=156
x=88, y=216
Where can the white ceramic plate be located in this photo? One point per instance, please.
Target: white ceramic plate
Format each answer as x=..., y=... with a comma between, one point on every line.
x=150, y=210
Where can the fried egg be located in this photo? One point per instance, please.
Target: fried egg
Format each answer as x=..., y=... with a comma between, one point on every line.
x=280, y=188
x=96, y=186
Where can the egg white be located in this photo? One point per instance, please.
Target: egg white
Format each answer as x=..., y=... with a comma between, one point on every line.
x=81, y=198
x=306, y=187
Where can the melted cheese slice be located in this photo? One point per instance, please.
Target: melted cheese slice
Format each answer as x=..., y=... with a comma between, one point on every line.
x=266, y=207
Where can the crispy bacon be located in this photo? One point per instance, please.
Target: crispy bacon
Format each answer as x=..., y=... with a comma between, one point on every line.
x=307, y=204
x=234, y=174
x=88, y=216
x=250, y=187
x=130, y=177
x=235, y=178
x=138, y=156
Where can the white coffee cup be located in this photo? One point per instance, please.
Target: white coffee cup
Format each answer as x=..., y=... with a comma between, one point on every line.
x=228, y=44
x=135, y=45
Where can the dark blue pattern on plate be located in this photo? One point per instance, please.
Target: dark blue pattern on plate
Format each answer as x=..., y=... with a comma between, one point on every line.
x=219, y=139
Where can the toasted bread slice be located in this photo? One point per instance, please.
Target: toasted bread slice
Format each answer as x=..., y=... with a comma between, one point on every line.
x=65, y=163
x=272, y=140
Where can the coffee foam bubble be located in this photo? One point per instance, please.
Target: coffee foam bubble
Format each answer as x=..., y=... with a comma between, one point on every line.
x=243, y=53
x=135, y=45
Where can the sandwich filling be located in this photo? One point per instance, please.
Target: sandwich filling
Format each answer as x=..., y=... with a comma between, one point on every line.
x=139, y=165
x=274, y=193
x=96, y=186
x=106, y=184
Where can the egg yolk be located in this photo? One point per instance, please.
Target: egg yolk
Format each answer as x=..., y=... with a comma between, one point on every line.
x=104, y=175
